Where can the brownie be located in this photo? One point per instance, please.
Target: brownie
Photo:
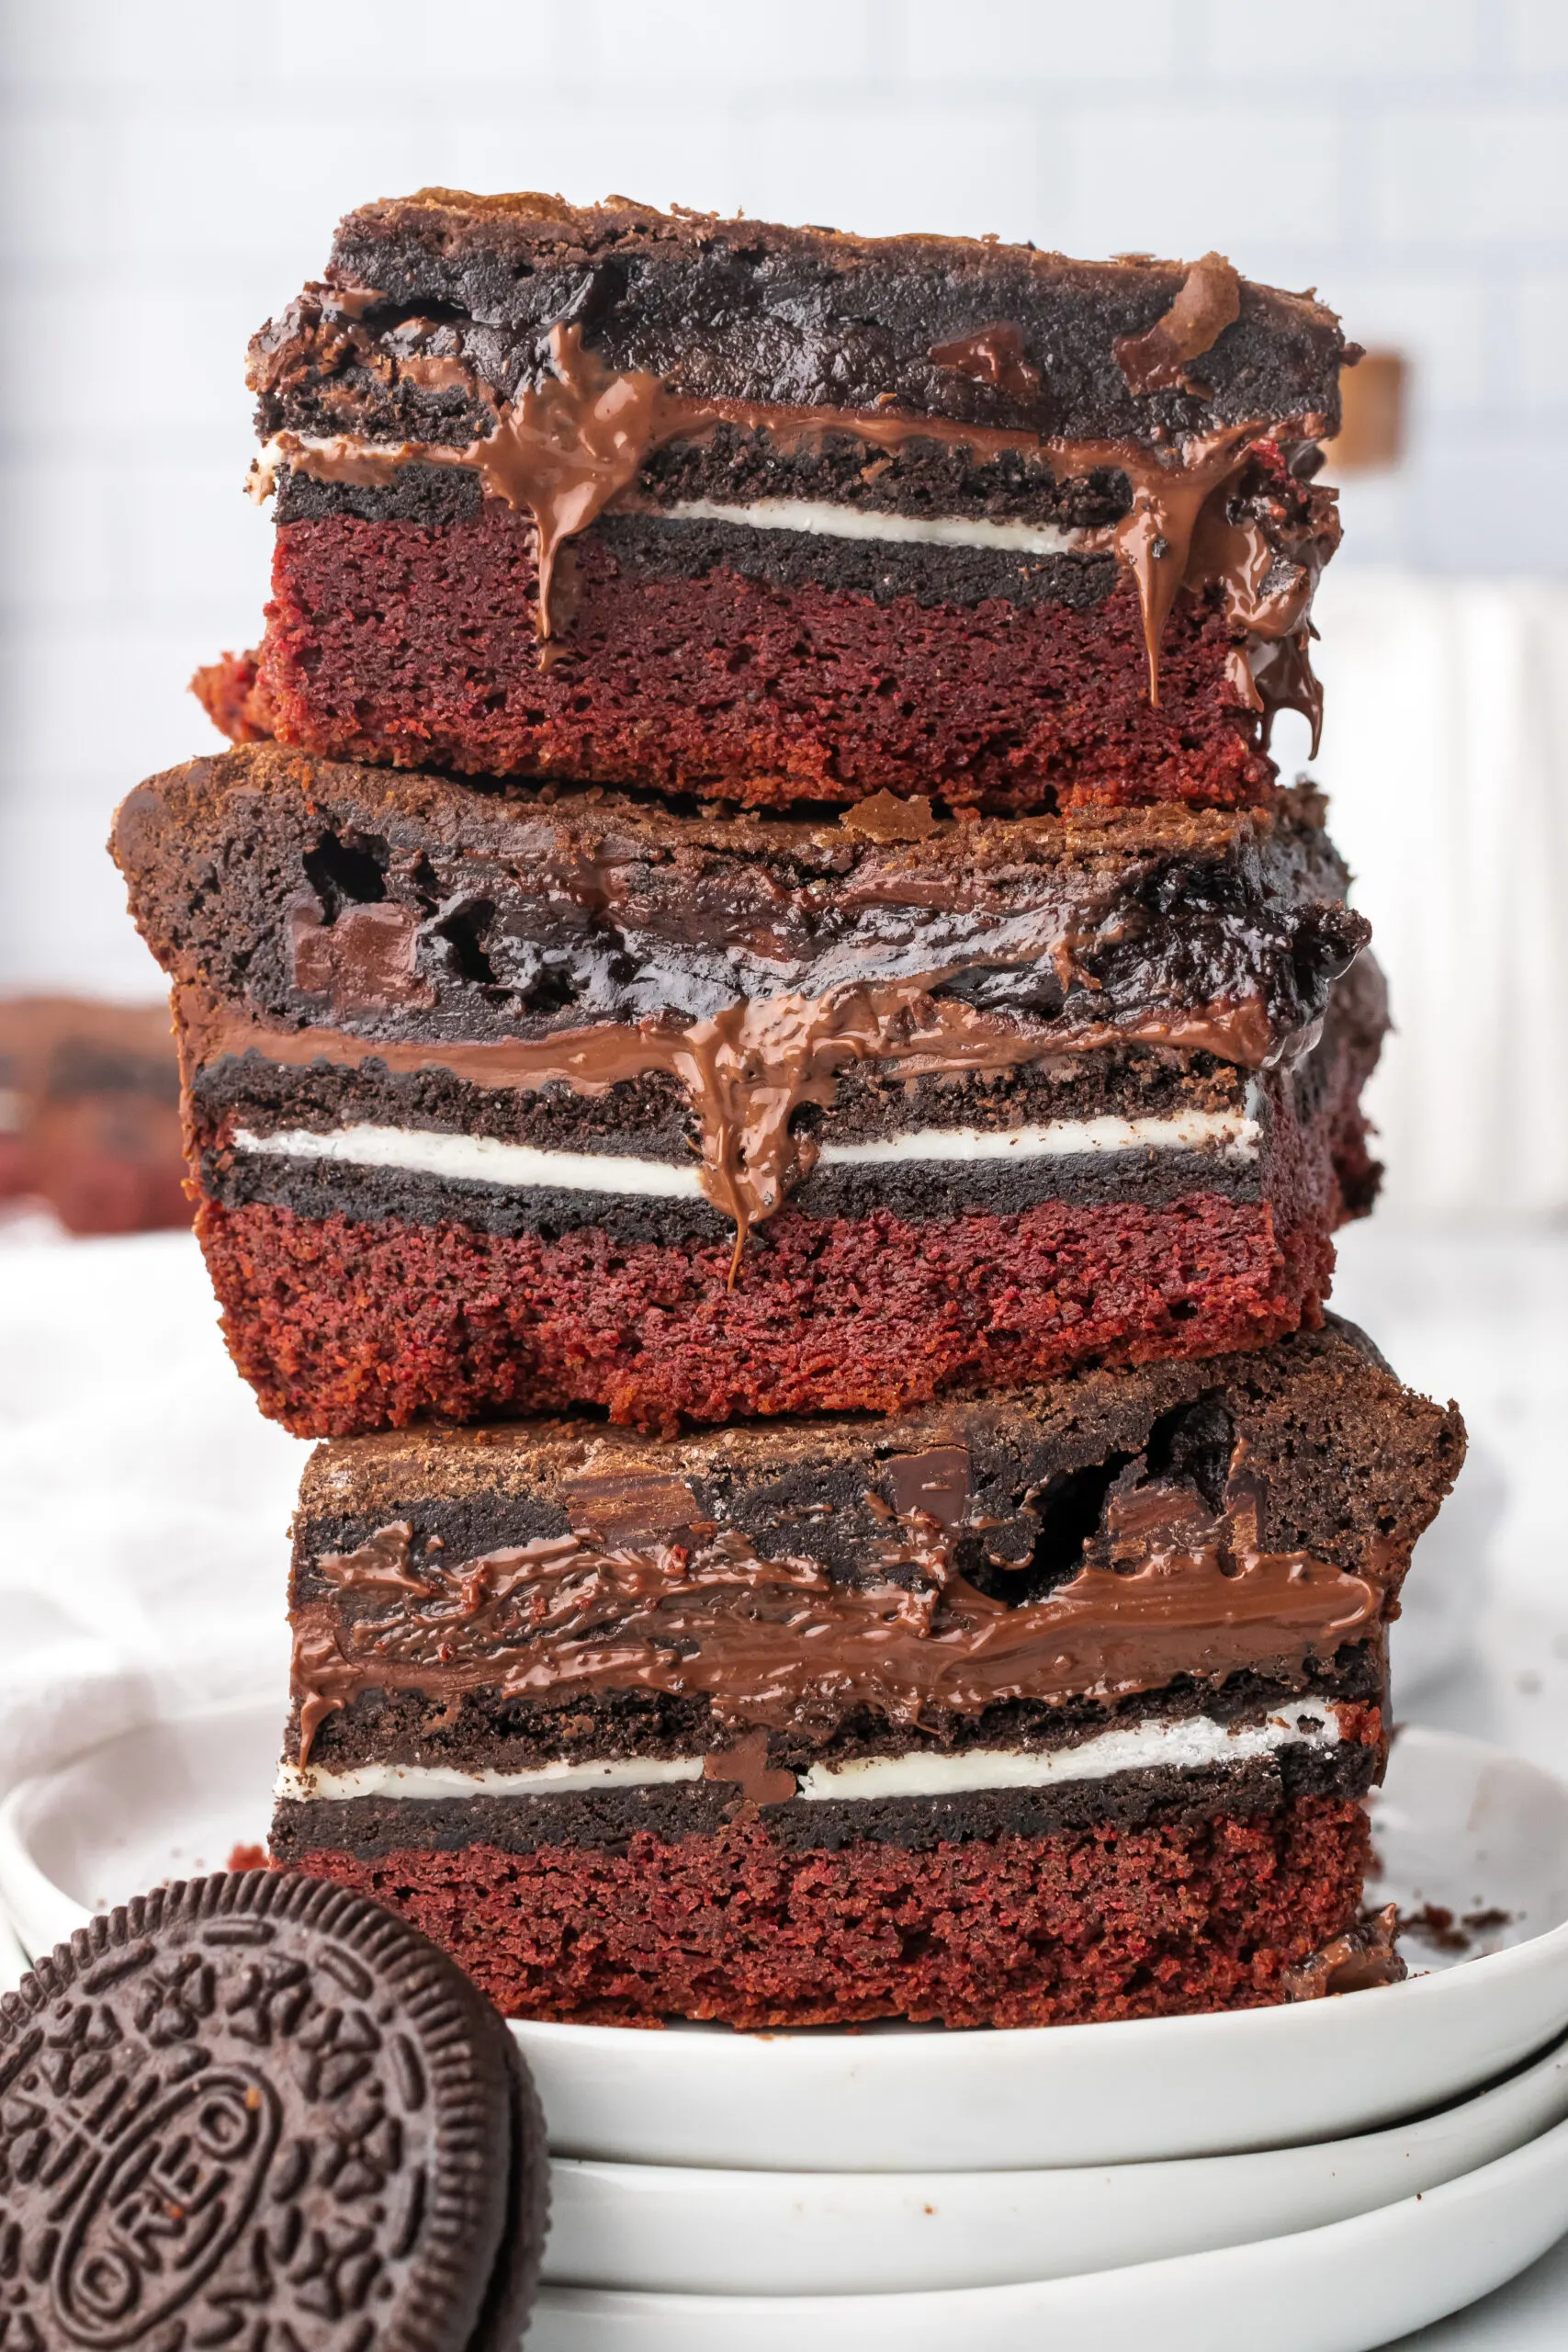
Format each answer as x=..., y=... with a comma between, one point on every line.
x=400, y=907
x=754, y=312
x=516, y=1099
x=751, y=909
x=794, y=515
x=1052, y=1630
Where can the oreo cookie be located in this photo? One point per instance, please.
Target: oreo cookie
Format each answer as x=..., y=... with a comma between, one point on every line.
x=258, y=2111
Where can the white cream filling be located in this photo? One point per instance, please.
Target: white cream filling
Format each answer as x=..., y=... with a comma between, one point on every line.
x=484, y=1159
x=817, y=516
x=1232, y=1131
x=442, y=1780
x=481, y=1159
x=819, y=519
x=1130, y=1747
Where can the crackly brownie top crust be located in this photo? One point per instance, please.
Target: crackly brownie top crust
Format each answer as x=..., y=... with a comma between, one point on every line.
x=969, y=330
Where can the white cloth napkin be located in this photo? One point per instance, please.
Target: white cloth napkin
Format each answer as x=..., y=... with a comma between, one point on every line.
x=144, y=1503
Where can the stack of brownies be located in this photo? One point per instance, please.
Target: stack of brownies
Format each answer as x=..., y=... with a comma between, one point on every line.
x=768, y=1059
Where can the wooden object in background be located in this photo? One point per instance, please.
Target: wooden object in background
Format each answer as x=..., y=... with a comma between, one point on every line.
x=1371, y=431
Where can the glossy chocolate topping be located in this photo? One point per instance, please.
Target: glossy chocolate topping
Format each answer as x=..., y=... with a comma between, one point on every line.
x=572, y=442
x=1166, y=1588
x=1269, y=601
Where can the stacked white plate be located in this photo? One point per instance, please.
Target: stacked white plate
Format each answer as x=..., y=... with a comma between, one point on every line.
x=1326, y=2176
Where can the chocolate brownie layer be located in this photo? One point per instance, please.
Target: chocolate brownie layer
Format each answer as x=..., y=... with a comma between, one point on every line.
x=968, y=1575
x=816, y=317
x=410, y=908
x=802, y=516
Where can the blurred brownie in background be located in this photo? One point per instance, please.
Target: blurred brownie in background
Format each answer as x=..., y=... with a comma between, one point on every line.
x=90, y=1113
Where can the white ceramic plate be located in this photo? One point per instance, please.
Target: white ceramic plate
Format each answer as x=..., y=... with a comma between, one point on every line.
x=1457, y=1824
x=683, y=2230
x=1343, y=2288
x=172, y=1800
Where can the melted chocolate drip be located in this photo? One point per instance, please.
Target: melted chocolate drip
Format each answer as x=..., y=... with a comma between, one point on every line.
x=1168, y=1587
x=569, y=445
x=746, y=1761
x=1271, y=602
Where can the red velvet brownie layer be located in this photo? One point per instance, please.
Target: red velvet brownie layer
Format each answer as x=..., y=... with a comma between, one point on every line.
x=344, y=1326
x=790, y=515
x=924, y=1698
x=482, y=1121
x=1190, y=1915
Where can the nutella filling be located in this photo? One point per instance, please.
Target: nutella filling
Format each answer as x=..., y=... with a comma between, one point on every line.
x=1360, y=1960
x=1168, y=1587
x=569, y=445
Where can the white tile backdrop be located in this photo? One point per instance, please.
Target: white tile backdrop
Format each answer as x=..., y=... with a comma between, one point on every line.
x=172, y=169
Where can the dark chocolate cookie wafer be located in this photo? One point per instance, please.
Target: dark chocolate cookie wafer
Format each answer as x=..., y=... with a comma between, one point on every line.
x=256, y=2111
